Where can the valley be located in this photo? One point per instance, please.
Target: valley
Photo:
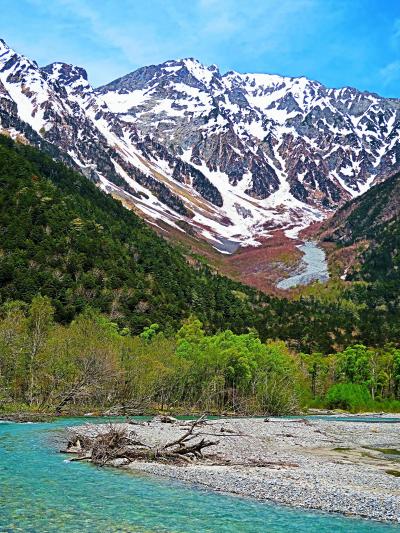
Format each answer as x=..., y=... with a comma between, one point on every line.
x=200, y=266
x=227, y=158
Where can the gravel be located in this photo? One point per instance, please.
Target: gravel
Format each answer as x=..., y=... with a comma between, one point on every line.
x=327, y=465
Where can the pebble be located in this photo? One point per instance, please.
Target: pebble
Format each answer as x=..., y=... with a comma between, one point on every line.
x=322, y=480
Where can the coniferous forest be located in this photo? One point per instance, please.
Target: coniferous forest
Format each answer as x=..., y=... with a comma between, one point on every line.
x=98, y=311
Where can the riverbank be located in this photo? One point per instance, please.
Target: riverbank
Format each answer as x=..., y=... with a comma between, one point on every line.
x=341, y=467
x=49, y=415
x=313, y=267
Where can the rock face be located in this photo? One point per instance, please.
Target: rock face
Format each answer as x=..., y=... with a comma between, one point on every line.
x=232, y=155
x=327, y=144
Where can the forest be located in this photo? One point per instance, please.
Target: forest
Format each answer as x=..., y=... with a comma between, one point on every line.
x=97, y=310
x=93, y=364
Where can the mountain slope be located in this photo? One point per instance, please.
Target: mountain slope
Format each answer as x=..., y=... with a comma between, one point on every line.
x=368, y=230
x=64, y=238
x=59, y=106
x=264, y=134
x=227, y=158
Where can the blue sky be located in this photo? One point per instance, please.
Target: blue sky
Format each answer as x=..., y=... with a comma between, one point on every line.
x=338, y=42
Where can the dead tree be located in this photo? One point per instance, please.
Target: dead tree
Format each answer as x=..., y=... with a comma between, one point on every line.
x=121, y=443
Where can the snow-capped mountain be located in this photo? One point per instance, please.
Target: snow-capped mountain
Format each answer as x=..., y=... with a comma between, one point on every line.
x=227, y=157
x=325, y=144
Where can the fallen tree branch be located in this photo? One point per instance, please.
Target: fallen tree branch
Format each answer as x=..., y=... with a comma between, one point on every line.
x=187, y=436
x=118, y=442
x=256, y=464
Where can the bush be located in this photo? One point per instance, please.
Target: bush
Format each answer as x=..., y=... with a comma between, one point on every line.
x=348, y=396
x=387, y=406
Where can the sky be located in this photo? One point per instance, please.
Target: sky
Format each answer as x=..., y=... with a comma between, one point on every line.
x=337, y=42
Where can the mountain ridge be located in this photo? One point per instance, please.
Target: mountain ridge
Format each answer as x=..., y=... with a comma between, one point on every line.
x=366, y=232
x=233, y=157
x=65, y=239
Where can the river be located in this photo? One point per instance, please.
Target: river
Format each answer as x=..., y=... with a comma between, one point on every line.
x=313, y=267
x=40, y=491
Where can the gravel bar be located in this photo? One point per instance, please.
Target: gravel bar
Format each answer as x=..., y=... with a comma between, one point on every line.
x=342, y=467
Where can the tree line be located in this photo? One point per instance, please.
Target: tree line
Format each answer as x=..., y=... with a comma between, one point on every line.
x=92, y=363
x=62, y=237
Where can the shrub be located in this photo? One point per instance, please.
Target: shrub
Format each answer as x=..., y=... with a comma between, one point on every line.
x=348, y=396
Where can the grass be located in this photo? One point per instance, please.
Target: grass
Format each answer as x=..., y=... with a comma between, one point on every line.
x=385, y=451
x=395, y=473
x=377, y=406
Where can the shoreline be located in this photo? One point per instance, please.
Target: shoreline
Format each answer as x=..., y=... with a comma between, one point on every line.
x=323, y=465
x=50, y=416
x=143, y=469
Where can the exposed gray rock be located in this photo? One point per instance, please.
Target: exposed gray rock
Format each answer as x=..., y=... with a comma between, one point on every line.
x=230, y=156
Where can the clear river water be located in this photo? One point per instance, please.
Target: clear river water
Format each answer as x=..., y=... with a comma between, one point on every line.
x=41, y=492
x=314, y=266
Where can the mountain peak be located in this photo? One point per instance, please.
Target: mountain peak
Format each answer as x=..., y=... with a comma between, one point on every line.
x=195, y=68
x=5, y=50
x=4, y=47
x=186, y=70
x=236, y=154
x=199, y=71
x=13, y=60
x=65, y=73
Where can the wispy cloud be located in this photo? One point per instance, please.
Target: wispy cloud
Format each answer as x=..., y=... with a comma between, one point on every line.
x=396, y=32
x=390, y=73
x=258, y=25
x=137, y=46
x=335, y=41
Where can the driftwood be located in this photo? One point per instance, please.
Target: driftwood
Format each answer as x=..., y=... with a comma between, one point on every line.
x=120, y=443
x=256, y=463
x=292, y=421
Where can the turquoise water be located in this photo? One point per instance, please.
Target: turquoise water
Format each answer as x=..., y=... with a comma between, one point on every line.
x=41, y=492
x=359, y=418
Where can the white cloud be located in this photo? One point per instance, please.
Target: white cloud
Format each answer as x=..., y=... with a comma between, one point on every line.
x=316, y=38
x=199, y=29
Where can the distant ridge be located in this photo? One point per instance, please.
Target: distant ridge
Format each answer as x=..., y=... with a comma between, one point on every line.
x=227, y=157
